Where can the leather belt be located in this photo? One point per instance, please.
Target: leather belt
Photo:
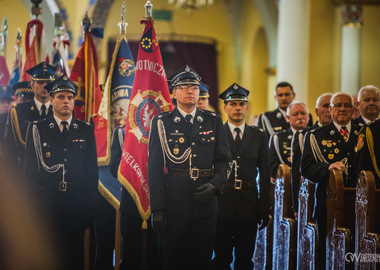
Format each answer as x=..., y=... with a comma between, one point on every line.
x=194, y=173
x=241, y=184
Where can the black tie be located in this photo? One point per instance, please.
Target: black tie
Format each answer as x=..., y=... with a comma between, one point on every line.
x=43, y=111
x=188, y=118
x=65, y=132
x=237, y=139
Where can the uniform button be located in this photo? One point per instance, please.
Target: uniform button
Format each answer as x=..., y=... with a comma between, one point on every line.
x=65, y=159
x=65, y=149
x=194, y=155
x=238, y=157
x=193, y=143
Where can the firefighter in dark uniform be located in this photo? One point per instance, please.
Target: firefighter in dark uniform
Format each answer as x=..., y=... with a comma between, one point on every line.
x=322, y=110
x=6, y=99
x=189, y=157
x=22, y=114
x=328, y=148
x=369, y=104
x=130, y=218
x=241, y=207
x=61, y=165
x=275, y=121
x=23, y=92
x=369, y=150
x=280, y=144
x=203, y=102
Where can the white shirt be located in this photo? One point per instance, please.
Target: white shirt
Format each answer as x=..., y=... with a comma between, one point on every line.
x=59, y=122
x=233, y=132
x=348, y=127
x=183, y=113
x=39, y=105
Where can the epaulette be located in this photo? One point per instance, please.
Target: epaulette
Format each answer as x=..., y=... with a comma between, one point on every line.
x=164, y=114
x=207, y=112
x=374, y=123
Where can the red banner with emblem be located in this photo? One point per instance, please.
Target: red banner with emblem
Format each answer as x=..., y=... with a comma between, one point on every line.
x=85, y=76
x=34, y=46
x=150, y=96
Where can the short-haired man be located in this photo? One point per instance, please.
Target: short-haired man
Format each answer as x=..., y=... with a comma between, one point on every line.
x=331, y=147
x=322, y=110
x=369, y=104
x=203, y=102
x=22, y=114
x=280, y=143
x=188, y=161
x=275, y=121
x=61, y=164
x=241, y=206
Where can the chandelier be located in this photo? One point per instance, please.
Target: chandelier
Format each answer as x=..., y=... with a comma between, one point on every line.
x=191, y=4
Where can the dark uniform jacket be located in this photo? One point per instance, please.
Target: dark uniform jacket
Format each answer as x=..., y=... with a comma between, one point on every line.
x=239, y=199
x=274, y=122
x=79, y=157
x=369, y=149
x=3, y=121
x=329, y=147
x=297, y=148
x=279, y=149
x=173, y=191
x=19, y=118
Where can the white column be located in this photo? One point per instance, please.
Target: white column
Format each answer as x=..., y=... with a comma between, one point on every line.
x=293, y=45
x=350, y=61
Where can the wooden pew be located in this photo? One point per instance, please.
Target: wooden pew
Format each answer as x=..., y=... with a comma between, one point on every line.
x=367, y=237
x=284, y=225
x=262, y=258
x=307, y=229
x=340, y=203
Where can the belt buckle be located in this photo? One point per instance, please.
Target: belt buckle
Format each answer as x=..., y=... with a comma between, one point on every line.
x=62, y=186
x=194, y=173
x=238, y=184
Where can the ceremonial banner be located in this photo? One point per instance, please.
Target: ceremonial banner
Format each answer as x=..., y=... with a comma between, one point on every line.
x=34, y=46
x=17, y=63
x=113, y=112
x=85, y=76
x=59, y=56
x=150, y=96
x=4, y=72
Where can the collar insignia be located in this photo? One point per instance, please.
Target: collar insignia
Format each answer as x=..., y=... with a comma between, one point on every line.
x=332, y=132
x=177, y=119
x=199, y=118
x=75, y=126
x=279, y=115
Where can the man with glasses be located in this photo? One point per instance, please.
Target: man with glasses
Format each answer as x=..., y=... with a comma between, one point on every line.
x=22, y=114
x=369, y=104
x=189, y=157
x=332, y=147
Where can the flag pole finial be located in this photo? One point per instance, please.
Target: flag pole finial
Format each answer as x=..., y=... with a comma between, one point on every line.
x=36, y=10
x=18, y=38
x=59, y=30
x=3, y=35
x=86, y=19
x=123, y=24
x=148, y=9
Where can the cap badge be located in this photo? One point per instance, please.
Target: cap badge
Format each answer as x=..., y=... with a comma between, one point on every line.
x=187, y=69
x=235, y=86
x=64, y=78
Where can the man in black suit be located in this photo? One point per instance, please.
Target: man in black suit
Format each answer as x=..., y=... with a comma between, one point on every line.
x=189, y=157
x=332, y=147
x=280, y=144
x=322, y=110
x=21, y=115
x=61, y=165
x=241, y=206
x=275, y=121
x=369, y=104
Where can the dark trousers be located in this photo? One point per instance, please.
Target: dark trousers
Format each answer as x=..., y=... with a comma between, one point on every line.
x=238, y=234
x=105, y=235
x=320, y=218
x=189, y=242
x=133, y=240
